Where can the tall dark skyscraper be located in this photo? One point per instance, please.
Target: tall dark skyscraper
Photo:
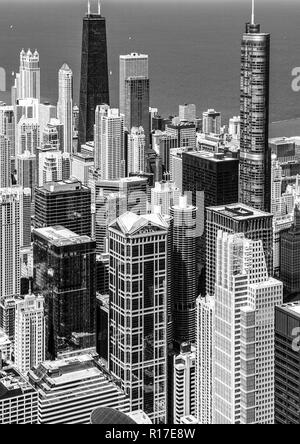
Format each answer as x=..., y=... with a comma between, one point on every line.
x=94, y=85
x=65, y=274
x=255, y=162
x=64, y=203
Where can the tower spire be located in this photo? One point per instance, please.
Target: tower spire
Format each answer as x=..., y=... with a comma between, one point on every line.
x=253, y=13
x=99, y=7
x=89, y=7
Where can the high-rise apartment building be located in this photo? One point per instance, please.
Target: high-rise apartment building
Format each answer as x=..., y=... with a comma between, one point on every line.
x=53, y=166
x=245, y=299
x=255, y=156
x=136, y=151
x=236, y=218
x=5, y=162
x=29, y=332
x=83, y=385
x=184, y=383
x=205, y=330
x=164, y=196
x=27, y=135
x=94, y=84
x=138, y=310
x=109, y=143
x=26, y=167
x=65, y=105
x=65, y=274
x=287, y=364
x=10, y=241
x=65, y=203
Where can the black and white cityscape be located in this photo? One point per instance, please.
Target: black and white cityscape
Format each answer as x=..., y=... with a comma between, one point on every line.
x=149, y=263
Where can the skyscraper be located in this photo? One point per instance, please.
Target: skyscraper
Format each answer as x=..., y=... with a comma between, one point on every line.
x=164, y=196
x=65, y=105
x=64, y=273
x=255, y=157
x=184, y=271
x=205, y=359
x=184, y=383
x=5, y=165
x=27, y=171
x=137, y=103
x=236, y=218
x=109, y=143
x=244, y=332
x=138, y=310
x=211, y=122
x=64, y=203
x=94, y=85
x=29, y=332
x=28, y=81
x=10, y=241
x=132, y=65
x=289, y=256
x=136, y=150
x=287, y=364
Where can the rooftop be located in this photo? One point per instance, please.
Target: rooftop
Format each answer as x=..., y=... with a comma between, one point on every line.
x=239, y=211
x=293, y=307
x=213, y=157
x=61, y=236
x=63, y=186
x=130, y=223
x=12, y=383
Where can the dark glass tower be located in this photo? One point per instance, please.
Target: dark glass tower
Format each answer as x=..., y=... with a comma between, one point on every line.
x=65, y=274
x=255, y=162
x=94, y=85
x=64, y=203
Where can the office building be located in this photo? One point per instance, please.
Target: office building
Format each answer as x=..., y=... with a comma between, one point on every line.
x=65, y=105
x=287, y=364
x=64, y=273
x=255, y=155
x=236, y=218
x=187, y=112
x=28, y=79
x=18, y=399
x=65, y=203
x=185, y=133
x=29, y=332
x=205, y=331
x=245, y=299
x=114, y=198
x=184, y=271
x=70, y=389
x=109, y=143
x=136, y=150
x=94, y=86
x=217, y=175
x=162, y=144
x=138, y=310
x=211, y=122
x=289, y=256
x=184, y=383
x=132, y=66
x=137, y=102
